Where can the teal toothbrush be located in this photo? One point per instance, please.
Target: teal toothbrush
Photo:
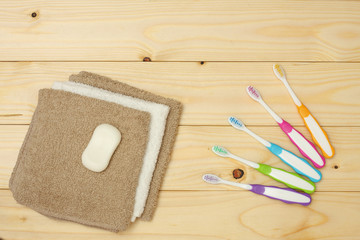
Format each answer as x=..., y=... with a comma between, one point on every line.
x=300, y=165
x=291, y=180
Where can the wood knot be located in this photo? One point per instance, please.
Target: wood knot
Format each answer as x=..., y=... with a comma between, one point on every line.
x=238, y=173
x=336, y=166
x=35, y=14
x=202, y=63
x=147, y=59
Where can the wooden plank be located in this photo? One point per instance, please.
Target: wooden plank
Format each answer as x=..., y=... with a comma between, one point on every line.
x=193, y=157
x=209, y=92
x=180, y=30
x=214, y=215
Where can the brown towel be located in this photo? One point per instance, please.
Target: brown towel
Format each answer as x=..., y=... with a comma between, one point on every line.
x=170, y=131
x=49, y=176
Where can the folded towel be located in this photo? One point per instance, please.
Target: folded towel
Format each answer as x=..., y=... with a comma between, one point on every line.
x=159, y=113
x=49, y=176
x=169, y=135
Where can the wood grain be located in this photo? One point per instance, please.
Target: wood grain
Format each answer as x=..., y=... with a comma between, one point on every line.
x=210, y=30
x=199, y=215
x=209, y=92
x=193, y=157
x=204, y=53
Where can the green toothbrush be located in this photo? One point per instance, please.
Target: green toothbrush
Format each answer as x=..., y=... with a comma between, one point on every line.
x=291, y=180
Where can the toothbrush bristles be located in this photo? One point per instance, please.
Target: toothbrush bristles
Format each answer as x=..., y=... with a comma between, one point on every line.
x=253, y=91
x=235, y=121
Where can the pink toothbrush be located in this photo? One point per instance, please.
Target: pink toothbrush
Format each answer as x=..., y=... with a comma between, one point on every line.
x=306, y=147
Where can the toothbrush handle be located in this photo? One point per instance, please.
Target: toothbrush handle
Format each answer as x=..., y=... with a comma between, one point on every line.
x=305, y=145
x=285, y=195
x=300, y=165
x=292, y=180
x=317, y=133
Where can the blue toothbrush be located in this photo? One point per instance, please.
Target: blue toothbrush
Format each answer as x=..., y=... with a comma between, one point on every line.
x=300, y=165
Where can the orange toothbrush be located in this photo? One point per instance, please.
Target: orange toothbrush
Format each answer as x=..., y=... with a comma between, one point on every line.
x=318, y=134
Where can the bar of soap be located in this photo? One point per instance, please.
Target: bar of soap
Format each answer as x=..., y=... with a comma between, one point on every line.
x=101, y=147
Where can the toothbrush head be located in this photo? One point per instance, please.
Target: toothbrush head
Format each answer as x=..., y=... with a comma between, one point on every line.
x=211, y=178
x=253, y=93
x=279, y=72
x=236, y=123
x=221, y=151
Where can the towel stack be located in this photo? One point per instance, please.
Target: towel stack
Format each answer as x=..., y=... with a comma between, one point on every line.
x=49, y=176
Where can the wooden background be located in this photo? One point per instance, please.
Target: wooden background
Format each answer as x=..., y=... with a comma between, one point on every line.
x=204, y=53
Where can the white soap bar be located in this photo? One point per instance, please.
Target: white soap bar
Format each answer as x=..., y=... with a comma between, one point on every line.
x=104, y=141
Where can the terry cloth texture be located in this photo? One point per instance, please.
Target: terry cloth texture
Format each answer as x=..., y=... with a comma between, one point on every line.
x=49, y=176
x=159, y=113
x=169, y=135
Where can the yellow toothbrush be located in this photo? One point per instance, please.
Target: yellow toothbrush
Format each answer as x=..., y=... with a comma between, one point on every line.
x=318, y=134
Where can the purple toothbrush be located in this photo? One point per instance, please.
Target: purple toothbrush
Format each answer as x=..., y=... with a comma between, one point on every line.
x=286, y=195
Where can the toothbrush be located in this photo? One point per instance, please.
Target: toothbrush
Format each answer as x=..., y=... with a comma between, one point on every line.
x=291, y=180
x=300, y=165
x=306, y=148
x=286, y=195
x=317, y=133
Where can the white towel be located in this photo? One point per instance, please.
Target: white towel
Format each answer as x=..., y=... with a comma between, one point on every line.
x=158, y=112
